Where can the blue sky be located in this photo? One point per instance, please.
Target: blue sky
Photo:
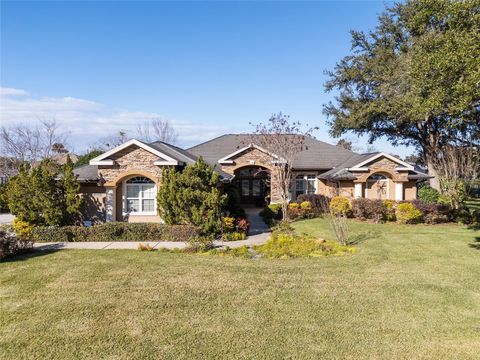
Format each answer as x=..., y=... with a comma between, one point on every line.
x=208, y=67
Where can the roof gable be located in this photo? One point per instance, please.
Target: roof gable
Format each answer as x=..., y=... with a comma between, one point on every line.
x=104, y=159
x=362, y=166
x=228, y=159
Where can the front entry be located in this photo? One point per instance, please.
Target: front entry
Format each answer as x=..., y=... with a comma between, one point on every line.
x=253, y=186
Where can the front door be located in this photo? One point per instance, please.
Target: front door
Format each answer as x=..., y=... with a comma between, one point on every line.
x=252, y=191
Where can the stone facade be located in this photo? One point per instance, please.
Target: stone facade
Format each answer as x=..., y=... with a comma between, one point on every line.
x=131, y=161
x=255, y=157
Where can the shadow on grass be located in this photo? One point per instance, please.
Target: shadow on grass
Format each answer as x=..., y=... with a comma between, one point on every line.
x=476, y=243
x=363, y=236
x=474, y=227
x=30, y=254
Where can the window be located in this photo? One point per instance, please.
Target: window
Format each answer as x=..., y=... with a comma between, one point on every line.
x=140, y=195
x=305, y=184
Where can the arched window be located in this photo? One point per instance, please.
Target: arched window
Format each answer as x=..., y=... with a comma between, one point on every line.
x=140, y=196
x=377, y=177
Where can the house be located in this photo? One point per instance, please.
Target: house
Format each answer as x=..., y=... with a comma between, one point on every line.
x=122, y=183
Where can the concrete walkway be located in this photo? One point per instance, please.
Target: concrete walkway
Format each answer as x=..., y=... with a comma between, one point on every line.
x=6, y=219
x=258, y=234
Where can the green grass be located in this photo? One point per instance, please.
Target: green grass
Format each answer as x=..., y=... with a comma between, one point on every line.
x=473, y=204
x=409, y=292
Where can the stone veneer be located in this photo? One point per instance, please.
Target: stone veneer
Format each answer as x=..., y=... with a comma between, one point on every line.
x=131, y=161
x=255, y=157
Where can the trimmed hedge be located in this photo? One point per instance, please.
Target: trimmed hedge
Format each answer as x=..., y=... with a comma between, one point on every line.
x=115, y=231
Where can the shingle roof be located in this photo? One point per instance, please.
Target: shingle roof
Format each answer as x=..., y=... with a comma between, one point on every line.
x=174, y=152
x=317, y=154
x=86, y=173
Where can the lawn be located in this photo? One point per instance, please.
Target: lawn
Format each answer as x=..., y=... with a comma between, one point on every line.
x=409, y=292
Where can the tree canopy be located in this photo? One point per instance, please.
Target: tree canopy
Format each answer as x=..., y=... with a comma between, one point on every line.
x=414, y=79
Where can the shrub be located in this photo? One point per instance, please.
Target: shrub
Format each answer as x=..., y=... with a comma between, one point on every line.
x=22, y=228
x=228, y=224
x=433, y=213
x=366, y=209
x=199, y=244
x=407, y=213
x=428, y=194
x=287, y=245
x=241, y=252
x=271, y=213
x=115, y=231
x=145, y=247
x=45, y=194
x=243, y=225
x=306, y=205
x=192, y=197
x=293, y=206
x=389, y=210
x=340, y=205
x=319, y=203
x=11, y=245
x=234, y=236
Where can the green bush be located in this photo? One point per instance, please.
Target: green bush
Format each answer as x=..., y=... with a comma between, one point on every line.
x=390, y=210
x=271, y=213
x=234, y=236
x=115, y=231
x=241, y=252
x=192, y=196
x=288, y=245
x=407, y=213
x=340, y=205
x=428, y=194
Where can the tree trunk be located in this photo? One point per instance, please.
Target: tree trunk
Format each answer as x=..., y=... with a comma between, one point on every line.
x=435, y=181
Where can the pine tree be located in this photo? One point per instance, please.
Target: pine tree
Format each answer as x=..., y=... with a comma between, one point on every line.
x=192, y=197
x=70, y=188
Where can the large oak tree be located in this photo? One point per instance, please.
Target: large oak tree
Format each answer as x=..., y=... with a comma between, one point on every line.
x=414, y=79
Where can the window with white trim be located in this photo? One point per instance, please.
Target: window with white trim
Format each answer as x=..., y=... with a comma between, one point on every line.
x=140, y=195
x=305, y=184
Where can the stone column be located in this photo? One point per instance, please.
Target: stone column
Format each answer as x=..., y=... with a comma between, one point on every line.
x=399, y=191
x=110, y=206
x=358, y=190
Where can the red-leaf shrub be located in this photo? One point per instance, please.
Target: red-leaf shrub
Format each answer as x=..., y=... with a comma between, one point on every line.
x=433, y=213
x=366, y=209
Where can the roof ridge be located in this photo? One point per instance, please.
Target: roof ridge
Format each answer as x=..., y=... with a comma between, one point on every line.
x=208, y=141
x=174, y=148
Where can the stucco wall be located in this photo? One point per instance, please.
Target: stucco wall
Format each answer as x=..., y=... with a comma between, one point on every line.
x=93, y=207
x=410, y=190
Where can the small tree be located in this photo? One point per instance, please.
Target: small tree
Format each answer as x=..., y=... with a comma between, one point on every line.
x=157, y=129
x=71, y=189
x=37, y=195
x=192, y=196
x=284, y=140
x=85, y=158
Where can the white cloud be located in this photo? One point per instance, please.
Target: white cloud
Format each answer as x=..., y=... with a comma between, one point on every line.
x=4, y=91
x=86, y=120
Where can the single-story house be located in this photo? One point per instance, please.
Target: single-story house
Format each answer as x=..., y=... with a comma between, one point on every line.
x=122, y=183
